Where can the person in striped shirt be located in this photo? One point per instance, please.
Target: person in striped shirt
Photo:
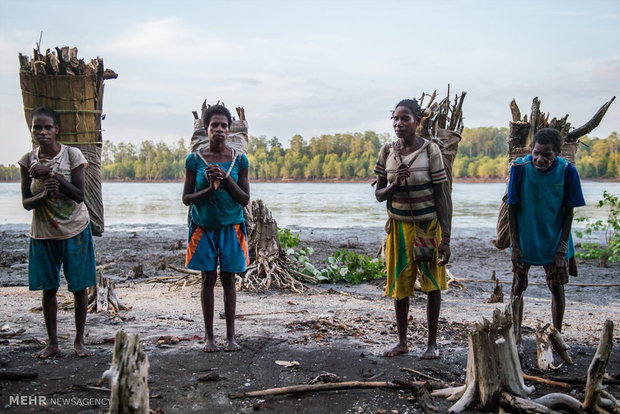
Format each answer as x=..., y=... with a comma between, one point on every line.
x=410, y=176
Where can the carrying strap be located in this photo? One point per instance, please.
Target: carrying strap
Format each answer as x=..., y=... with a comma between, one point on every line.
x=396, y=146
x=232, y=163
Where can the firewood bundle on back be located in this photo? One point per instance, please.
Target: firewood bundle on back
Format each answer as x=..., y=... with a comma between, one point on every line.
x=74, y=89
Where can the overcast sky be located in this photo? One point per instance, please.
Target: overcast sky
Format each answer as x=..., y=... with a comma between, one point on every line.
x=319, y=67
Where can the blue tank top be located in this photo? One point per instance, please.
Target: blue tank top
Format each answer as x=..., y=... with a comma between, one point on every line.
x=541, y=211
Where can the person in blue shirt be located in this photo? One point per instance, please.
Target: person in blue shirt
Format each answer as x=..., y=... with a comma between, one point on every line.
x=542, y=192
x=217, y=188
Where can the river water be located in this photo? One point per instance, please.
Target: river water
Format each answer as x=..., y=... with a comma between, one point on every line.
x=132, y=206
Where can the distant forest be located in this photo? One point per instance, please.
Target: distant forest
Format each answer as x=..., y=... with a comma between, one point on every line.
x=481, y=154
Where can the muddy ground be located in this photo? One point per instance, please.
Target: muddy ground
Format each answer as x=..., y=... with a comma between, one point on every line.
x=339, y=329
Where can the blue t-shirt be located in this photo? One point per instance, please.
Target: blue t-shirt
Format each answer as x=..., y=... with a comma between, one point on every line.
x=542, y=199
x=219, y=209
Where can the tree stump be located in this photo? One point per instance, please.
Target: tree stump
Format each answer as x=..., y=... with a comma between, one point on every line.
x=493, y=366
x=269, y=264
x=102, y=298
x=128, y=376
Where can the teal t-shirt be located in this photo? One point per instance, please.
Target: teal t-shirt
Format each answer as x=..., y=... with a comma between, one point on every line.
x=220, y=209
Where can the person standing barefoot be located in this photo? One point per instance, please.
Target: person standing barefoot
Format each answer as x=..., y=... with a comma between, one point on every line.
x=410, y=173
x=217, y=188
x=52, y=186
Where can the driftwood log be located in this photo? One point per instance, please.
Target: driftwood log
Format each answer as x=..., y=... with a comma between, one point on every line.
x=269, y=265
x=295, y=389
x=544, y=351
x=128, y=376
x=593, y=401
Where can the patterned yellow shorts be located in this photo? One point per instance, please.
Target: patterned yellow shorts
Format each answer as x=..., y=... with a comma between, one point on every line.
x=399, y=259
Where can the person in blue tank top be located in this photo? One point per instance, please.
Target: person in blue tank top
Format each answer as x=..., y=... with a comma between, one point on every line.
x=217, y=188
x=542, y=192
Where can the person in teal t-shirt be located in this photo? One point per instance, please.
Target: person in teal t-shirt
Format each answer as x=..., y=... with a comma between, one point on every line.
x=542, y=193
x=217, y=188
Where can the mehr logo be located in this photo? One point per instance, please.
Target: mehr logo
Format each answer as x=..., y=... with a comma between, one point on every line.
x=27, y=400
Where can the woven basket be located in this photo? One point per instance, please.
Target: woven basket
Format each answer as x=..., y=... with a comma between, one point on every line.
x=78, y=100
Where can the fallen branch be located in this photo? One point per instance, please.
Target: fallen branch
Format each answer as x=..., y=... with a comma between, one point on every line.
x=184, y=270
x=17, y=376
x=294, y=389
x=545, y=381
x=421, y=374
x=465, y=280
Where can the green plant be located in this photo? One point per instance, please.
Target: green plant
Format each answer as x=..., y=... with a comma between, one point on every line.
x=352, y=268
x=611, y=226
x=287, y=238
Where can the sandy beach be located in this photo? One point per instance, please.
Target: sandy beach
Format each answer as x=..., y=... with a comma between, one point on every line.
x=341, y=329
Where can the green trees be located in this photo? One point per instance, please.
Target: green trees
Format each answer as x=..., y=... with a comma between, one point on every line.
x=482, y=154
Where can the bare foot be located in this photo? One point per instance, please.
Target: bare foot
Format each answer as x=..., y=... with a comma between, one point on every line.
x=397, y=350
x=210, y=346
x=232, y=346
x=81, y=351
x=47, y=352
x=431, y=352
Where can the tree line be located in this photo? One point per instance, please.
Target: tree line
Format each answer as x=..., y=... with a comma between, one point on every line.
x=481, y=154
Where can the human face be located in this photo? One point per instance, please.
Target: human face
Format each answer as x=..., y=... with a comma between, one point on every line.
x=404, y=123
x=44, y=130
x=543, y=156
x=218, y=128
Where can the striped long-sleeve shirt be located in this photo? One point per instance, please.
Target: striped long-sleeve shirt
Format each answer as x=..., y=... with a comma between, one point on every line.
x=427, y=169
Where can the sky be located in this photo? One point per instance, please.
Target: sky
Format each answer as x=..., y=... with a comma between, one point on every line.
x=318, y=67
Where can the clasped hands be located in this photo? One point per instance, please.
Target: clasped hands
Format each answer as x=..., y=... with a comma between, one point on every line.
x=43, y=172
x=216, y=175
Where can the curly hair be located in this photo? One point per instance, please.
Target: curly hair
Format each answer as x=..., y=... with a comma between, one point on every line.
x=216, y=110
x=45, y=111
x=413, y=106
x=546, y=136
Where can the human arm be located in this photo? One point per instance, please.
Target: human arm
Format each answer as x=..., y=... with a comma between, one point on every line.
x=517, y=255
x=385, y=190
x=443, y=216
x=190, y=195
x=560, y=254
x=30, y=201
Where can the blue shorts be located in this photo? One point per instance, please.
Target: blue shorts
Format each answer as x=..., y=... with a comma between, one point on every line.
x=76, y=255
x=227, y=246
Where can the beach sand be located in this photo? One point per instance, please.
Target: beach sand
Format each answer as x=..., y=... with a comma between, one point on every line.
x=342, y=329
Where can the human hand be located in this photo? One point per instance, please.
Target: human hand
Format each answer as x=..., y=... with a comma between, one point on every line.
x=444, y=253
x=402, y=172
x=216, y=175
x=38, y=170
x=558, y=261
x=52, y=187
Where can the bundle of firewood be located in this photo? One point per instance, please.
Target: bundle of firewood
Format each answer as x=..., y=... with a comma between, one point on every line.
x=63, y=61
x=445, y=114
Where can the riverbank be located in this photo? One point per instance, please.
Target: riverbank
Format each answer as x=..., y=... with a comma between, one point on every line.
x=341, y=329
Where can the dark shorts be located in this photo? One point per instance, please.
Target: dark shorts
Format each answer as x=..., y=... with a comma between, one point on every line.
x=75, y=255
x=554, y=277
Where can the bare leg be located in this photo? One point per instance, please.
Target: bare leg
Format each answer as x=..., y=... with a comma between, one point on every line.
x=50, y=310
x=433, y=307
x=519, y=284
x=558, y=304
x=208, y=303
x=230, y=306
x=401, y=307
x=81, y=306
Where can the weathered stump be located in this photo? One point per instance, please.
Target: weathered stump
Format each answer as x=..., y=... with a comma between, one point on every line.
x=493, y=367
x=269, y=264
x=102, y=298
x=593, y=401
x=128, y=376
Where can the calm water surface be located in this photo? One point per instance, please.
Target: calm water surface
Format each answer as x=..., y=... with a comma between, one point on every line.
x=129, y=206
